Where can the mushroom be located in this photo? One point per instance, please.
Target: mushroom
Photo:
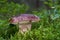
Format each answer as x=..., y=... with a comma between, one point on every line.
x=24, y=21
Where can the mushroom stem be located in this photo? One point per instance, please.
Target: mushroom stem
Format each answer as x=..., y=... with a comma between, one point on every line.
x=24, y=27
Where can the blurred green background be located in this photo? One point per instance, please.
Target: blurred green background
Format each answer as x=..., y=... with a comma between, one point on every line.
x=48, y=28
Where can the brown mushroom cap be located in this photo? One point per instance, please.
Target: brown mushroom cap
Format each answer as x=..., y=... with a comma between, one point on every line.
x=24, y=18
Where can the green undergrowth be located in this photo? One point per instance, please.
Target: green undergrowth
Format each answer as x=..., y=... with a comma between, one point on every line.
x=42, y=30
